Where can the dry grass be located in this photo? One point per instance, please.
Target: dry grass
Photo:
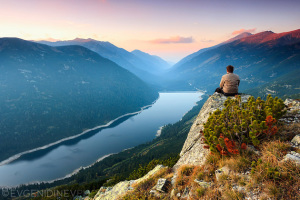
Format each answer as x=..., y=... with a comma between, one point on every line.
x=287, y=132
x=142, y=190
x=237, y=163
x=280, y=180
x=229, y=194
x=183, y=177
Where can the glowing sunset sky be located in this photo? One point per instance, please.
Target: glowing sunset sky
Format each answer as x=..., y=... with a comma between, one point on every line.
x=171, y=29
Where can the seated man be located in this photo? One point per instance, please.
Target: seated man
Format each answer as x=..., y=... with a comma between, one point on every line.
x=229, y=85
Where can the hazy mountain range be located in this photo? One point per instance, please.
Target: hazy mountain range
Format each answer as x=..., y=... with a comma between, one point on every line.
x=48, y=93
x=144, y=65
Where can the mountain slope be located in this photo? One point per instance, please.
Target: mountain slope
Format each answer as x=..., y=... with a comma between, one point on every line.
x=258, y=59
x=157, y=64
x=193, y=55
x=283, y=87
x=48, y=93
x=145, y=69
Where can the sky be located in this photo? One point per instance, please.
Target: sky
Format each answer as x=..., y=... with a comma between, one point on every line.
x=171, y=29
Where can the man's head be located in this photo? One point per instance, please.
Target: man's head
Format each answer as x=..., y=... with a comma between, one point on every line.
x=230, y=68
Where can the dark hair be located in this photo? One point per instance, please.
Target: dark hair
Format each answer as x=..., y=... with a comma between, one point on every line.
x=230, y=68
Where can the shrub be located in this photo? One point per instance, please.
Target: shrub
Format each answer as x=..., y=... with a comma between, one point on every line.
x=230, y=130
x=200, y=191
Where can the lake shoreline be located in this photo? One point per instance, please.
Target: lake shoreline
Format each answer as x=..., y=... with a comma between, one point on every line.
x=16, y=156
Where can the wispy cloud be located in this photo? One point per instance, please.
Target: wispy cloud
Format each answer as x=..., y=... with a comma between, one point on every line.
x=244, y=30
x=205, y=40
x=47, y=39
x=175, y=39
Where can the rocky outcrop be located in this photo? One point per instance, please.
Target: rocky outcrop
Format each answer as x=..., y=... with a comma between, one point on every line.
x=293, y=112
x=193, y=151
x=121, y=188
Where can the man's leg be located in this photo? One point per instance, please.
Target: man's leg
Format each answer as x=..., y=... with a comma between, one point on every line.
x=219, y=90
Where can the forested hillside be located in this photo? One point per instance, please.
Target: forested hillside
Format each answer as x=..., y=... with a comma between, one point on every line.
x=49, y=93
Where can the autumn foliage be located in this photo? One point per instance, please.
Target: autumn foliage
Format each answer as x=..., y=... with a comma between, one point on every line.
x=232, y=129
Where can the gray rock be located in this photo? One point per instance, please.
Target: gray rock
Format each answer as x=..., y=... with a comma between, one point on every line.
x=293, y=112
x=296, y=141
x=186, y=193
x=161, y=185
x=203, y=183
x=222, y=171
x=155, y=193
x=121, y=188
x=292, y=104
x=172, y=194
x=239, y=188
x=292, y=156
x=253, y=149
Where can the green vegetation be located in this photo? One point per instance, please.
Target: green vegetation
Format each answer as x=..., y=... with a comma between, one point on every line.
x=239, y=124
x=143, y=170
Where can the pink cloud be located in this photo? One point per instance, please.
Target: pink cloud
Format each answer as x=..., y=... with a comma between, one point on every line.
x=176, y=39
x=244, y=30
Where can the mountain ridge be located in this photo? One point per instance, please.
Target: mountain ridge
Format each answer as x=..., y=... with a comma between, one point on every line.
x=147, y=69
x=197, y=53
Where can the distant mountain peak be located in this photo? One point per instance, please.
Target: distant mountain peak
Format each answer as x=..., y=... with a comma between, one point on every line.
x=83, y=40
x=273, y=38
x=239, y=36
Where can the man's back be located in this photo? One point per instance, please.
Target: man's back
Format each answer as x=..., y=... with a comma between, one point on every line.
x=230, y=83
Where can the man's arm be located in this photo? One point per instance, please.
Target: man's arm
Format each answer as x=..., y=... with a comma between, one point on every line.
x=222, y=82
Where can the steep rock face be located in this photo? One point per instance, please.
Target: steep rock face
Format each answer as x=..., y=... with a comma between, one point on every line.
x=193, y=151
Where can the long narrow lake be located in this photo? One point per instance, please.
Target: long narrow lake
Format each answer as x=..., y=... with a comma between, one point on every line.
x=67, y=157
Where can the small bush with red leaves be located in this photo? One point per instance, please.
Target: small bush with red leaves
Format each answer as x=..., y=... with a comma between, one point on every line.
x=230, y=130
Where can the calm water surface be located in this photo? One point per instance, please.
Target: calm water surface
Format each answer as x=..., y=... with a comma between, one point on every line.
x=64, y=158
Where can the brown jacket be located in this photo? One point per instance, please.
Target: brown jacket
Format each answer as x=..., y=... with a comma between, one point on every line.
x=230, y=83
